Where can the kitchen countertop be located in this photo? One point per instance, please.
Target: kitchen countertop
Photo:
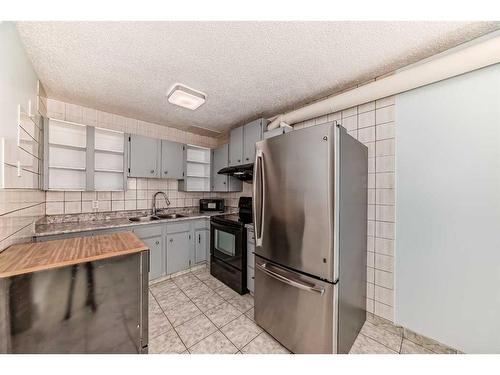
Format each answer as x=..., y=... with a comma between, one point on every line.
x=51, y=229
x=38, y=256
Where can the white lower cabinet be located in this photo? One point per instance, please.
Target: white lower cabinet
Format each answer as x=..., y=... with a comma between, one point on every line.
x=250, y=260
x=173, y=246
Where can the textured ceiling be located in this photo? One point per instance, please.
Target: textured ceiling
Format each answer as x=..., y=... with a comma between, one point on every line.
x=246, y=69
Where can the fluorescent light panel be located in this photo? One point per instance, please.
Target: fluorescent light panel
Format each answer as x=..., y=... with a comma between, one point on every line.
x=186, y=97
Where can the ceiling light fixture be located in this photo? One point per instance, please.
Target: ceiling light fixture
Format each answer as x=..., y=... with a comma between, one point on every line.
x=186, y=97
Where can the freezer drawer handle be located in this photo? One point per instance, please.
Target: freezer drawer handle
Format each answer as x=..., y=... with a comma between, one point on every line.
x=296, y=283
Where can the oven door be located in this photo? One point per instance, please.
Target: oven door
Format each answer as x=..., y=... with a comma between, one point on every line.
x=226, y=244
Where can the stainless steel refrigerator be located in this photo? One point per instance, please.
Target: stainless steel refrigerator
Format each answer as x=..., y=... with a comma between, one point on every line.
x=310, y=217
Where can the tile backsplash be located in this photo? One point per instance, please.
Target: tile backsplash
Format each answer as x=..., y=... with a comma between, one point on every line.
x=374, y=125
x=138, y=196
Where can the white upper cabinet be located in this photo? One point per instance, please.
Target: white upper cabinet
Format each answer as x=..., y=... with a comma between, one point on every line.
x=82, y=157
x=242, y=142
x=197, y=169
x=144, y=156
x=109, y=159
x=66, y=152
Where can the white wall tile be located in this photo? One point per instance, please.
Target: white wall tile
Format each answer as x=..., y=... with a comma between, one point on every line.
x=370, y=106
x=384, y=229
x=350, y=123
x=384, y=311
x=385, y=279
x=54, y=208
x=384, y=295
x=385, y=180
x=349, y=112
x=384, y=263
x=390, y=100
x=385, y=114
x=384, y=196
x=385, y=164
x=385, y=213
x=72, y=207
x=385, y=147
x=384, y=246
x=385, y=131
x=366, y=134
x=366, y=119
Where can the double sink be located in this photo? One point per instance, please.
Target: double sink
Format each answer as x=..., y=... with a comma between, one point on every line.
x=155, y=217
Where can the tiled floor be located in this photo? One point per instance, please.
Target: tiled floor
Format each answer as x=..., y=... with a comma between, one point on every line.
x=196, y=313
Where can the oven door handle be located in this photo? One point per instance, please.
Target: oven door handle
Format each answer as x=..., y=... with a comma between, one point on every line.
x=290, y=279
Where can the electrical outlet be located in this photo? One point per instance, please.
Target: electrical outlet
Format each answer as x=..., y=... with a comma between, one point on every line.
x=95, y=205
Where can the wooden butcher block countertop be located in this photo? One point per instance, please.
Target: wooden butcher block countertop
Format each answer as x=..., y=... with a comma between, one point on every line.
x=39, y=256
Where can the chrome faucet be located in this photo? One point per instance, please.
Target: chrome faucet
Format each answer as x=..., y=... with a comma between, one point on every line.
x=155, y=210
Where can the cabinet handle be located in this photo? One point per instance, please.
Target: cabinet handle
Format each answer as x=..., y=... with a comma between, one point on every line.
x=239, y=161
x=165, y=172
x=157, y=242
x=171, y=240
x=199, y=238
x=152, y=171
x=247, y=159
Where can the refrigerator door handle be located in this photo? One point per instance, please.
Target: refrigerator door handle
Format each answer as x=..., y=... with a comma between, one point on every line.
x=277, y=274
x=258, y=194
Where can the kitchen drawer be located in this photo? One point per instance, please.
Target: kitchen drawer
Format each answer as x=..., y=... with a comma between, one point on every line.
x=183, y=226
x=250, y=255
x=145, y=231
x=250, y=279
x=201, y=224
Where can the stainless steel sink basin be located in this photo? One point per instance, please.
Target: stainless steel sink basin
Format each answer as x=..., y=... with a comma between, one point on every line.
x=170, y=216
x=155, y=217
x=144, y=218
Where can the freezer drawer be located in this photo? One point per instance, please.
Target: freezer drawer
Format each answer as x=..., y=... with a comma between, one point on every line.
x=296, y=310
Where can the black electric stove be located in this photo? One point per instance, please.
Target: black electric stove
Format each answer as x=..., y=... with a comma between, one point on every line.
x=228, y=246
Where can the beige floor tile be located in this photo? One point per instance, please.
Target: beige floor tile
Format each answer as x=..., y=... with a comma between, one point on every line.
x=203, y=274
x=222, y=314
x=264, y=344
x=197, y=289
x=157, y=323
x=171, y=299
x=169, y=342
x=226, y=292
x=250, y=314
x=366, y=345
x=182, y=312
x=208, y=301
x=241, y=331
x=216, y=343
x=195, y=330
x=163, y=287
x=185, y=281
x=384, y=323
x=384, y=337
x=409, y=347
x=427, y=343
x=242, y=303
x=213, y=283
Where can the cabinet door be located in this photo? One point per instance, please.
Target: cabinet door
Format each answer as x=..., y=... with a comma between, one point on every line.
x=143, y=156
x=171, y=159
x=156, y=259
x=219, y=161
x=201, y=236
x=252, y=133
x=178, y=251
x=236, y=147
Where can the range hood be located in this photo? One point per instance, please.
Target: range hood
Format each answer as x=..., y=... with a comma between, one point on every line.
x=241, y=172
